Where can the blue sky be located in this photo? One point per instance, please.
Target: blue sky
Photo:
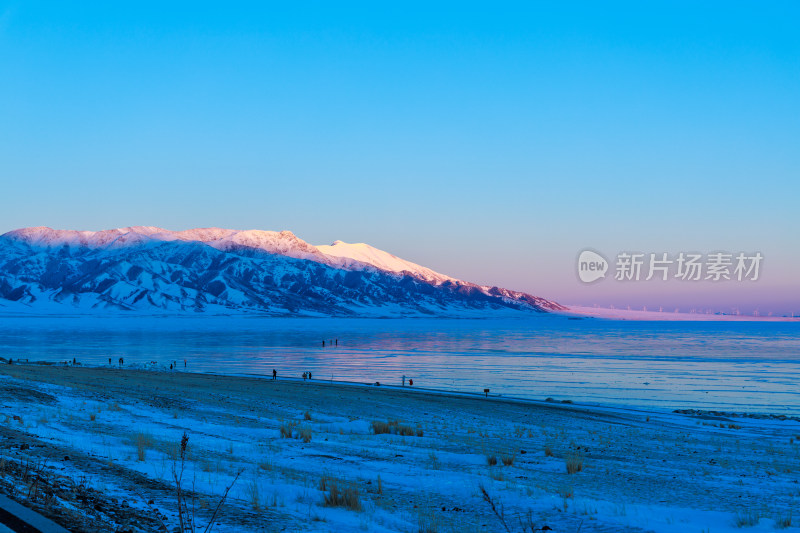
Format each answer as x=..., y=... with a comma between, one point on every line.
x=488, y=142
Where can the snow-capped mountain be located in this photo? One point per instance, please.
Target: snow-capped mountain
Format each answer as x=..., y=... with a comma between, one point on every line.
x=149, y=269
x=355, y=255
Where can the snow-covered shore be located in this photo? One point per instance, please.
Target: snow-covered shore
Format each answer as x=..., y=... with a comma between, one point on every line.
x=104, y=442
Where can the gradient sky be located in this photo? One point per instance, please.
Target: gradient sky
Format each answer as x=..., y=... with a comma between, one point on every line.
x=490, y=142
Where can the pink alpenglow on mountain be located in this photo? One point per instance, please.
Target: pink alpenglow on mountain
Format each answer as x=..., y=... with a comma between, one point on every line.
x=148, y=269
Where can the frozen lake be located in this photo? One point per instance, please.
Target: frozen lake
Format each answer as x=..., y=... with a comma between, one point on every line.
x=732, y=366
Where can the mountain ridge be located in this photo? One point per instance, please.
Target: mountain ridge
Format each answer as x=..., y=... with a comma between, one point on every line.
x=150, y=269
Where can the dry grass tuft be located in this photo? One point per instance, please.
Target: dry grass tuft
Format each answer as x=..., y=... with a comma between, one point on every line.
x=783, y=521
x=548, y=451
x=304, y=433
x=254, y=494
x=379, y=427
x=508, y=459
x=574, y=462
x=394, y=427
x=307, y=415
x=491, y=460
x=287, y=428
x=746, y=518
x=339, y=495
x=405, y=431
x=428, y=522
x=142, y=441
x=433, y=460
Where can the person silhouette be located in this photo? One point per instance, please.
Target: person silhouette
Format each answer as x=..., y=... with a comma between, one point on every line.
x=274, y=375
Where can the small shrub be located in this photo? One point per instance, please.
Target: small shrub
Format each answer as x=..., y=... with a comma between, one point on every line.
x=419, y=432
x=508, y=459
x=307, y=416
x=93, y=417
x=548, y=451
x=491, y=460
x=305, y=434
x=574, y=462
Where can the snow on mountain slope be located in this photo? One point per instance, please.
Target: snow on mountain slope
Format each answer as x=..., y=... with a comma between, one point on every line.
x=283, y=242
x=352, y=254
x=150, y=269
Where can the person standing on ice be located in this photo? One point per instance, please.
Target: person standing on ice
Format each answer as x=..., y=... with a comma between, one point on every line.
x=404, y=380
x=274, y=375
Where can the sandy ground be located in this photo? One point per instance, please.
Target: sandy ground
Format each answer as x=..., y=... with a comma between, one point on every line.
x=95, y=449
